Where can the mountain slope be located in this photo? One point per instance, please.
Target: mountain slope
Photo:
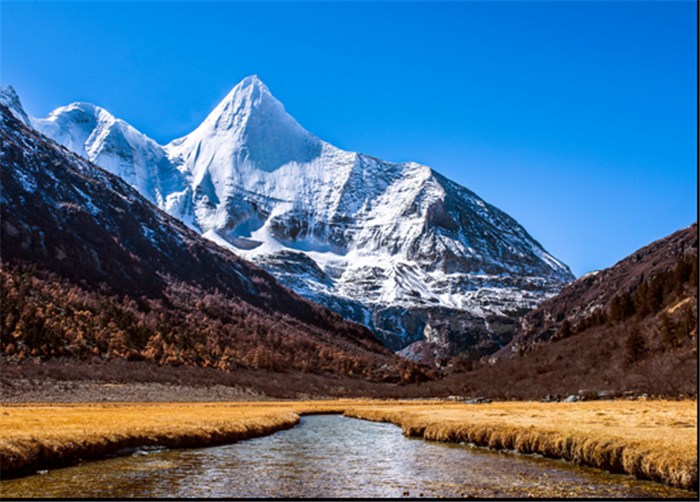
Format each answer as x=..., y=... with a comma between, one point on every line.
x=94, y=134
x=9, y=98
x=590, y=298
x=627, y=330
x=152, y=284
x=393, y=246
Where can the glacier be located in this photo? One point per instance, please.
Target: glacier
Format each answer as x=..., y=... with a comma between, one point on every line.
x=395, y=246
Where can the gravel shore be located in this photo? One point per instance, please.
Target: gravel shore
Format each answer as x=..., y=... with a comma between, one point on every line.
x=52, y=391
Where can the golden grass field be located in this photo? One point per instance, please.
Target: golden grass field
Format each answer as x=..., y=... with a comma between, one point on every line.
x=34, y=437
x=650, y=439
x=654, y=440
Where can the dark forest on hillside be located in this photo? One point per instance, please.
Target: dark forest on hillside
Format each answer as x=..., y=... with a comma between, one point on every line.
x=643, y=342
x=44, y=318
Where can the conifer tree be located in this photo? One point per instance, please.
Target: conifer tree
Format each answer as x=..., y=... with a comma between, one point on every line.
x=668, y=331
x=636, y=345
x=693, y=274
x=565, y=329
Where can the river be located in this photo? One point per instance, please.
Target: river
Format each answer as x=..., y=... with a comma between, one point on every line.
x=332, y=456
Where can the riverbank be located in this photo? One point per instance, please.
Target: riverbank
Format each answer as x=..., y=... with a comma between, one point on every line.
x=39, y=437
x=654, y=440
x=649, y=439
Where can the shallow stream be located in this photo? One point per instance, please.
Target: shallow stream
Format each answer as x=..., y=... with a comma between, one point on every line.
x=333, y=456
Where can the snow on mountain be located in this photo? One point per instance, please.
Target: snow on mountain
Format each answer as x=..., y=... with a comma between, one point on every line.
x=73, y=220
x=235, y=153
x=114, y=145
x=389, y=245
x=9, y=98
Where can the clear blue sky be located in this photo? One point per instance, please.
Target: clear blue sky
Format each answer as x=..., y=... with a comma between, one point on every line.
x=579, y=119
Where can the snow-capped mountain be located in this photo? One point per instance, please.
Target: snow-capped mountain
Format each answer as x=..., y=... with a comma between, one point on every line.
x=114, y=145
x=9, y=98
x=397, y=247
x=192, y=302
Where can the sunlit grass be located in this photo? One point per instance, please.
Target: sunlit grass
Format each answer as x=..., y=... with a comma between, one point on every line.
x=37, y=436
x=649, y=439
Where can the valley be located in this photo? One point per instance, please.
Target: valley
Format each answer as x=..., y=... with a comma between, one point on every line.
x=349, y=250
x=443, y=316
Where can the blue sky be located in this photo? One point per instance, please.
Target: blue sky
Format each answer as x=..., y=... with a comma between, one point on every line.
x=579, y=119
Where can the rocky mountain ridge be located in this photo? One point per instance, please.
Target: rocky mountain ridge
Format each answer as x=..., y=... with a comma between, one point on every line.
x=397, y=247
x=91, y=268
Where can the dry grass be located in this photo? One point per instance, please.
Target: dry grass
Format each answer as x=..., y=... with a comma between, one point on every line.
x=34, y=437
x=654, y=440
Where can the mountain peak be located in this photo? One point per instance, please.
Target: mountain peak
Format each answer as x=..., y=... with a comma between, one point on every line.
x=9, y=98
x=251, y=122
x=252, y=80
x=248, y=97
x=251, y=88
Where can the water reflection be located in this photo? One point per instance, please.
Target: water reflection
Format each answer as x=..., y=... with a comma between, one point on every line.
x=333, y=456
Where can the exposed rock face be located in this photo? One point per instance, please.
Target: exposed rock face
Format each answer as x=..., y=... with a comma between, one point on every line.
x=388, y=245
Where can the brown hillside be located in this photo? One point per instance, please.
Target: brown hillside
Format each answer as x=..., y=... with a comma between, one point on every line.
x=92, y=269
x=630, y=329
x=594, y=292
